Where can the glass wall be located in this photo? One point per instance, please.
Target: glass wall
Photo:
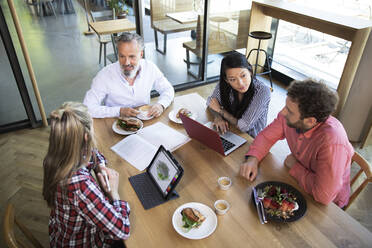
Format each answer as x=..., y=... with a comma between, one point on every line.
x=15, y=111
x=175, y=30
x=313, y=54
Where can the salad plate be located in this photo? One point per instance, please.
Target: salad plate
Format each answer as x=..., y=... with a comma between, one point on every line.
x=279, y=192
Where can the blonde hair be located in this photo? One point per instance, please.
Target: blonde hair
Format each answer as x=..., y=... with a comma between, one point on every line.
x=70, y=144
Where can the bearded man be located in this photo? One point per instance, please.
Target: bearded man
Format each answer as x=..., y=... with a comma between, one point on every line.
x=120, y=87
x=320, y=150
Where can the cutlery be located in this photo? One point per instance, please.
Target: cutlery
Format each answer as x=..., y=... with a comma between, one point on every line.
x=257, y=202
x=259, y=192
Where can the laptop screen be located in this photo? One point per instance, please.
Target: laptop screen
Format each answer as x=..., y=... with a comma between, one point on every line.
x=164, y=171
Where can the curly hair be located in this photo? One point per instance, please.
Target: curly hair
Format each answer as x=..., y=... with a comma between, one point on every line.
x=314, y=99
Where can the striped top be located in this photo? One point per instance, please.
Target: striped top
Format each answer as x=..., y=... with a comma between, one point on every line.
x=254, y=118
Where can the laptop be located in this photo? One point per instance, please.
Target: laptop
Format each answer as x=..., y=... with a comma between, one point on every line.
x=157, y=185
x=223, y=144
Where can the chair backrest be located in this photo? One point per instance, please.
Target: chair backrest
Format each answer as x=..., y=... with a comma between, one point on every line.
x=9, y=222
x=102, y=15
x=364, y=168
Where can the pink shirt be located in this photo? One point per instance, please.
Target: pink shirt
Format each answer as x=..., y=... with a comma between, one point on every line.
x=323, y=154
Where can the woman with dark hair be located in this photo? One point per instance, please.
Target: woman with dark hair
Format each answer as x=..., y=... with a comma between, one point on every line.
x=239, y=98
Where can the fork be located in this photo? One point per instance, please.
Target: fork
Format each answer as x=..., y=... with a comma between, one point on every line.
x=260, y=198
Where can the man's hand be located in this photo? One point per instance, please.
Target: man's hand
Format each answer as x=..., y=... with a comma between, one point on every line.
x=220, y=124
x=249, y=168
x=290, y=161
x=128, y=112
x=214, y=105
x=156, y=110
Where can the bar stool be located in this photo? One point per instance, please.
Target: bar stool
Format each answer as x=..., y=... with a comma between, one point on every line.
x=260, y=35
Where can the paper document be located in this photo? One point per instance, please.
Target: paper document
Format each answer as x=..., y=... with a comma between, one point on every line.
x=139, y=149
x=160, y=134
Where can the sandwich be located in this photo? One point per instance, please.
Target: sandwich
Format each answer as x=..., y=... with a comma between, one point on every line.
x=183, y=111
x=192, y=218
x=129, y=124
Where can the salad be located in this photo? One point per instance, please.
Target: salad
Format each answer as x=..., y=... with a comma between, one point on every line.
x=278, y=201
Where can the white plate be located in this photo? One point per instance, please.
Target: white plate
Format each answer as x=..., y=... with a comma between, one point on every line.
x=204, y=230
x=118, y=130
x=143, y=116
x=172, y=116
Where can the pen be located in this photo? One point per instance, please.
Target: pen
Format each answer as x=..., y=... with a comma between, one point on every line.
x=104, y=173
x=103, y=164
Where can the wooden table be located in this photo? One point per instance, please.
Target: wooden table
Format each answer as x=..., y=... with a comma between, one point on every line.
x=112, y=27
x=322, y=226
x=183, y=17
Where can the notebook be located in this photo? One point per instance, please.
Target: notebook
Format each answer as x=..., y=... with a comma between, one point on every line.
x=223, y=144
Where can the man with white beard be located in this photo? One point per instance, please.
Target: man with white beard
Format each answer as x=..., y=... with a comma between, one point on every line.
x=120, y=87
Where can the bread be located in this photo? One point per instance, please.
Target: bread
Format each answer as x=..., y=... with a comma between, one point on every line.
x=193, y=215
x=129, y=124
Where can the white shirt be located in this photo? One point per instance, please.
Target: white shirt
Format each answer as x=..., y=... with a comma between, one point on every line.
x=111, y=89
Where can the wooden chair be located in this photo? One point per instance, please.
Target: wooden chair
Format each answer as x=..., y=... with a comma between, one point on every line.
x=9, y=222
x=163, y=24
x=364, y=167
x=102, y=39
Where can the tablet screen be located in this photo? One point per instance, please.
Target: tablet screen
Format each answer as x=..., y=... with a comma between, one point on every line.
x=164, y=171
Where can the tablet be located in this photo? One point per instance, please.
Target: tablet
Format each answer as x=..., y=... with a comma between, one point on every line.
x=165, y=171
x=157, y=185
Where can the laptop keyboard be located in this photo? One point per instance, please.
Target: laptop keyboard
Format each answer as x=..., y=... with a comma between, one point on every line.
x=227, y=145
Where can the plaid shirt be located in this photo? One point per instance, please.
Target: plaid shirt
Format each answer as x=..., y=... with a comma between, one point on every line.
x=84, y=217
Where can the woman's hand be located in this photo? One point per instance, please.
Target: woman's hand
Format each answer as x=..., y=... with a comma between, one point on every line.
x=220, y=124
x=215, y=105
x=113, y=177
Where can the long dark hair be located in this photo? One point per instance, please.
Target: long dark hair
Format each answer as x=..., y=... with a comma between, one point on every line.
x=236, y=108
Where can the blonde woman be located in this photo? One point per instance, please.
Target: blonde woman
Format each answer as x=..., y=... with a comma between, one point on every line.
x=83, y=214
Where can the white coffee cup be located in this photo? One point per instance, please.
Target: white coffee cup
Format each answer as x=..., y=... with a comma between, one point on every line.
x=224, y=183
x=221, y=207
